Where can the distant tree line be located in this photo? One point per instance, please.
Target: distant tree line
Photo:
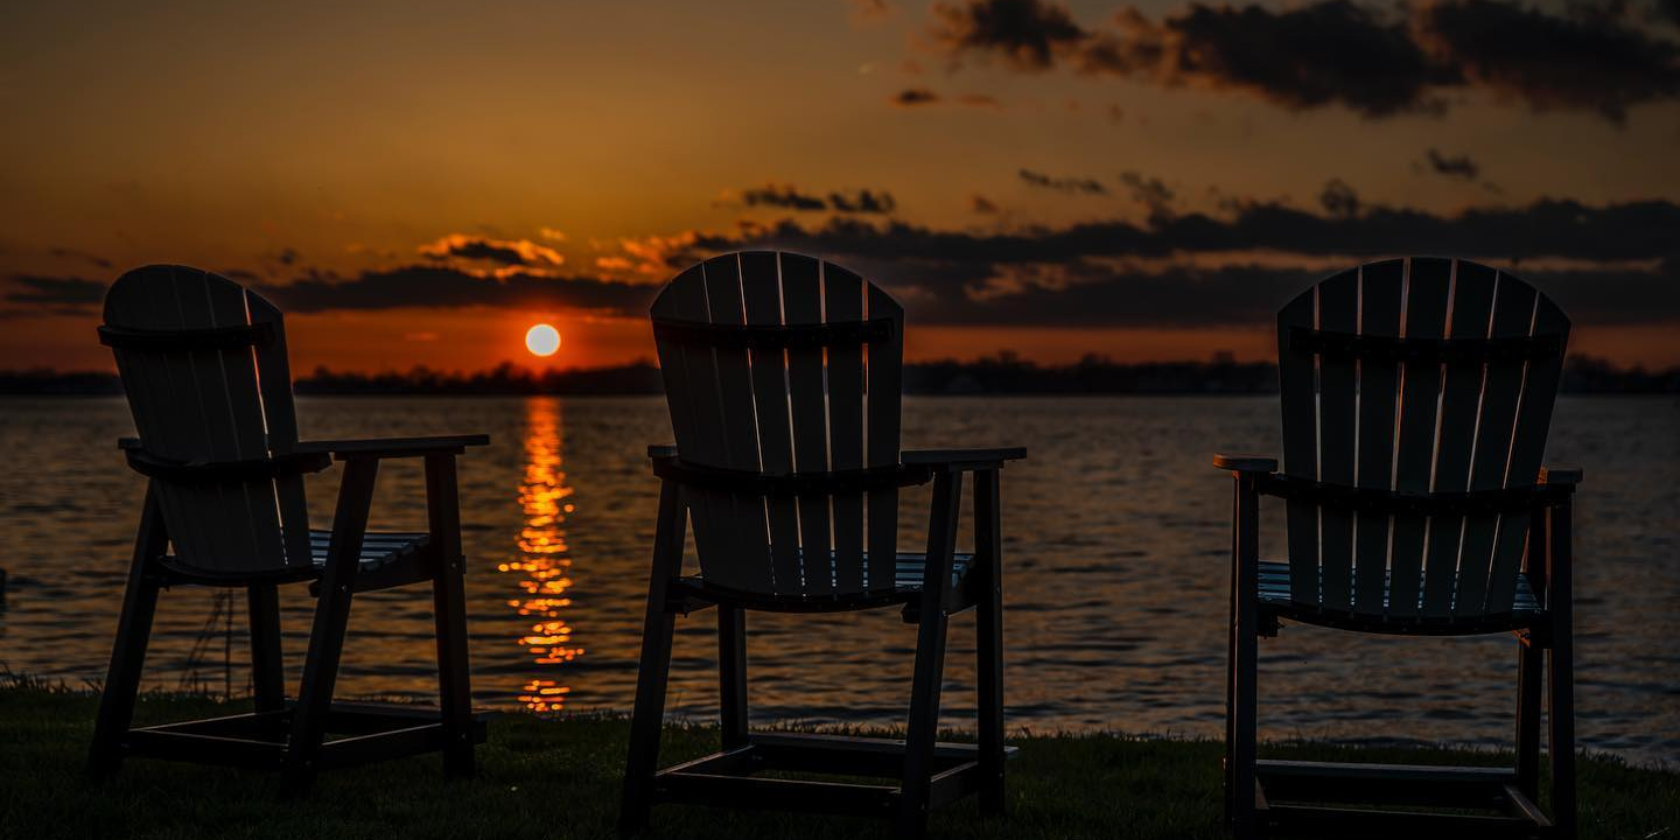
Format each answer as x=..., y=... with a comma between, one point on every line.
x=1005, y=373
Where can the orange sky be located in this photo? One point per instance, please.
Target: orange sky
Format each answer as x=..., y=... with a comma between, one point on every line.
x=285, y=142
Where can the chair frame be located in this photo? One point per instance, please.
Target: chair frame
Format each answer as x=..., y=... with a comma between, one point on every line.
x=291, y=735
x=1544, y=639
x=1417, y=394
x=235, y=467
x=929, y=773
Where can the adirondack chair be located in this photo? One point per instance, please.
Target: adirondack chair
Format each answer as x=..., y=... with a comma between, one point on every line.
x=1416, y=504
x=746, y=343
x=204, y=364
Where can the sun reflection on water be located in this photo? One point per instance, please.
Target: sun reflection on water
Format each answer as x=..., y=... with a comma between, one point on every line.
x=545, y=561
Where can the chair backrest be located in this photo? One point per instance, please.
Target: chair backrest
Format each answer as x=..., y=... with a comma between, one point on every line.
x=763, y=358
x=1434, y=378
x=203, y=362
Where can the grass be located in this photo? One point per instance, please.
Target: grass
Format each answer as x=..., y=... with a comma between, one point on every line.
x=557, y=779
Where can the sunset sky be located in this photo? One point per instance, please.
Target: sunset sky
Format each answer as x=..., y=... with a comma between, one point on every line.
x=418, y=183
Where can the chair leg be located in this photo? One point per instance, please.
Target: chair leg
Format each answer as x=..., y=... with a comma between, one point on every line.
x=658, y=629
x=1240, y=754
x=732, y=674
x=1560, y=599
x=1562, y=741
x=332, y=617
x=988, y=551
x=450, y=613
x=128, y=654
x=454, y=678
x=267, y=666
x=930, y=659
x=1530, y=661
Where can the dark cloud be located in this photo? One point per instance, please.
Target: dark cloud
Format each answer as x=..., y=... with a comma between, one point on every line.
x=913, y=97
x=1089, y=186
x=1547, y=228
x=1037, y=281
x=1606, y=264
x=1327, y=53
x=921, y=97
x=285, y=256
x=782, y=195
x=789, y=197
x=82, y=256
x=982, y=205
x=1339, y=199
x=1026, y=33
x=55, y=292
x=1592, y=60
x=862, y=201
x=1377, y=61
x=1461, y=167
x=1152, y=193
x=428, y=286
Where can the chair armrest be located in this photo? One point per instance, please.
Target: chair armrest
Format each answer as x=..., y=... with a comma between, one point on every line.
x=128, y=443
x=414, y=447
x=1244, y=463
x=963, y=459
x=1561, y=475
x=662, y=450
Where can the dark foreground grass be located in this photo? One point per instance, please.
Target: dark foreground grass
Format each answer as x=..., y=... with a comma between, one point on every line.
x=560, y=779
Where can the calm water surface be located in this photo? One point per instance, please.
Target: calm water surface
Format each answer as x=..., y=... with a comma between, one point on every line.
x=1116, y=568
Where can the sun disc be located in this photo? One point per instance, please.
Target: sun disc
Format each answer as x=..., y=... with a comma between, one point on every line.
x=542, y=340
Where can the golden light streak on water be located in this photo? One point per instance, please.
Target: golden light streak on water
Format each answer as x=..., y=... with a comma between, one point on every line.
x=544, y=562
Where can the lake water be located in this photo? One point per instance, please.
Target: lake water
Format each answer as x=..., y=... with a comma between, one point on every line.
x=1116, y=571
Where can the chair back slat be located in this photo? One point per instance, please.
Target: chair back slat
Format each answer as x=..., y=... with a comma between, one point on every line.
x=1471, y=305
x=752, y=404
x=843, y=301
x=1338, y=311
x=802, y=304
x=690, y=375
x=746, y=523
x=885, y=397
x=1380, y=287
x=761, y=289
x=1434, y=378
x=1528, y=449
x=1513, y=316
x=279, y=410
x=197, y=402
x=1428, y=283
x=1298, y=384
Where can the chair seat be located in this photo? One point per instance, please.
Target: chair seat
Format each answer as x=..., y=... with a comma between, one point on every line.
x=1275, y=594
x=379, y=548
x=907, y=583
x=388, y=558
x=912, y=565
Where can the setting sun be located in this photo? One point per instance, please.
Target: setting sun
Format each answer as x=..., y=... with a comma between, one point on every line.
x=542, y=340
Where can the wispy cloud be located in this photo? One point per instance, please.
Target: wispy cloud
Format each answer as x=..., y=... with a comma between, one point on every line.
x=1068, y=184
x=790, y=197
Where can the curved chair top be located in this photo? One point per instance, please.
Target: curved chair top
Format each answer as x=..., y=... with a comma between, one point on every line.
x=1417, y=394
x=764, y=356
x=203, y=363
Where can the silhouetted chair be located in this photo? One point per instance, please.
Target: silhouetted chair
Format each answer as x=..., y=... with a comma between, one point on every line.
x=204, y=365
x=1417, y=505
x=746, y=342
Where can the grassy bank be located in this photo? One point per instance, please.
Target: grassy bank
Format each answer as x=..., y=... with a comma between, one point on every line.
x=560, y=779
